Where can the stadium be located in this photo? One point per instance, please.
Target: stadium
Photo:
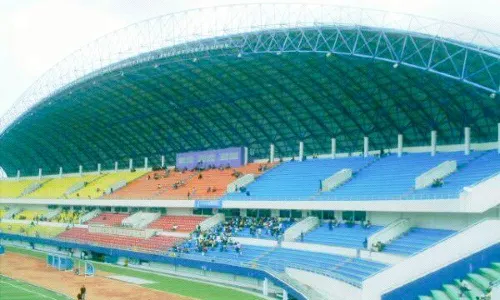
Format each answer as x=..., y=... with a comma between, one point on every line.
x=263, y=151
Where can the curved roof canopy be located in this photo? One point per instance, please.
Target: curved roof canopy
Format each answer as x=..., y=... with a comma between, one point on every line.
x=281, y=83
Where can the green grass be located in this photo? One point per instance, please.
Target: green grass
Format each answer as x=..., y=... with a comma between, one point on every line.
x=12, y=289
x=163, y=283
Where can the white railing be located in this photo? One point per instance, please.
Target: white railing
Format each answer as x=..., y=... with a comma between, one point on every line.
x=52, y=213
x=304, y=226
x=439, y=172
x=211, y=222
x=140, y=219
x=130, y=232
x=336, y=180
x=240, y=182
x=75, y=187
x=116, y=186
x=389, y=232
x=31, y=188
x=89, y=216
x=12, y=211
x=473, y=239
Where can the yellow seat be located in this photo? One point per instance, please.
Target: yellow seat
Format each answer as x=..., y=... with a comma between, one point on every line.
x=14, y=188
x=96, y=188
x=29, y=230
x=55, y=188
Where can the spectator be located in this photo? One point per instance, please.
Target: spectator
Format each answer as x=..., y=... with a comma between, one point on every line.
x=83, y=292
x=330, y=224
x=464, y=288
x=174, y=227
x=302, y=236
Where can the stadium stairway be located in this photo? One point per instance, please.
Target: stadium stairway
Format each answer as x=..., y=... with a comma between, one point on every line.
x=342, y=236
x=296, y=180
x=96, y=188
x=416, y=240
x=478, y=284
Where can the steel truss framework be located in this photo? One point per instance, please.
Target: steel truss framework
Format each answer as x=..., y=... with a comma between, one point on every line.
x=257, y=85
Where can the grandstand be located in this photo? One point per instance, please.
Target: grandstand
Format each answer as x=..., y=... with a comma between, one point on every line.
x=304, y=152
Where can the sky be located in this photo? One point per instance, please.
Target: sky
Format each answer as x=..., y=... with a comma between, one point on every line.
x=36, y=34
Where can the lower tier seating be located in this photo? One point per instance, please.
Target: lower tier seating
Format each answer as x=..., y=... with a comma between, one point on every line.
x=110, y=219
x=157, y=243
x=341, y=236
x=478, y=285
x=31, y=214
x=183, y=223
x=416, y=240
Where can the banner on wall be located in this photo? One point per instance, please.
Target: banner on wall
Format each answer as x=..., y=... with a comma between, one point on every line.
x=232, y=157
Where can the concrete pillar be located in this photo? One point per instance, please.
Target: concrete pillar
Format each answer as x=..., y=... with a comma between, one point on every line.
x=145, y=163
x=498, y=137
x=334, y=147
x=400, y=145
x=60, y=172
x=245, y=156
x=301, y=151
x=285, y=295
x=265, y=287
x=467, y=140
x=366, y=146
x=433, y=142
x=18, y=176
x=40, y=173
x=271, y=152
x=243, y=212
x=80, y=170
x=99, y=168
x=116, y=166
x=163, y=161
x=130, y=164
x=275, y=213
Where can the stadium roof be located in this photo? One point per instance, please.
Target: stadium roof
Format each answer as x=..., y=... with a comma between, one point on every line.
x=252, y=75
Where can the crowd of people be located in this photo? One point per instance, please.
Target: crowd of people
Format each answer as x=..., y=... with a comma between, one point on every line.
x=221, y=236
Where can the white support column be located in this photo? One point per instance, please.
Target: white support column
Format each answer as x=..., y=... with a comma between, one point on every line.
x=163, y=161
x=99, y=168
x=498, y=137
x=130, y=164
x=265, y=287
x=285, y=295
x=433, y=142
x=80, y=170
x=116, y=166
x=18, y=174
x=145, y=163
x=245, y=156
x=334, y=147
x=400, y=145
x=366, y=146
x=467, y=140
x=60, y=172
x=301, y=151
x=39, y=173
x=271, y=153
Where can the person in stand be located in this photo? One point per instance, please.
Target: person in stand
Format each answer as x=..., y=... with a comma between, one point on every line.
x=464, y=288
x=330, y=224
x=302, y=236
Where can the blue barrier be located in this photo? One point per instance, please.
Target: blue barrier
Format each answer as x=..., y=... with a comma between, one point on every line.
x=61, y=263
x=448, y=274
x=178, y=261
x=2, y=250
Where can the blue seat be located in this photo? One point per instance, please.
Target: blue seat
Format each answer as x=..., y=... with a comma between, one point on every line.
x=416, y=240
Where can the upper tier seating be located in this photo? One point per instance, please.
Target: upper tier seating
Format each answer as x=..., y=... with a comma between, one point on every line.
x=109, y=219
x=158, y=243
x=159, y=185
x=392, y=177
x=2, y=212
x=30, y=230
x=55, y=188
x=416, y=240
x=486, y=164
x=296, y=180
x=342, y=236
x=184, y=223
x=67, y=217
x=14, y=188
x=97, y=188
x=477, y=282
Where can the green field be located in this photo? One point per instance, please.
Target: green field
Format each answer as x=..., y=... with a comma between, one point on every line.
x=164, y=283
x=11, y=289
